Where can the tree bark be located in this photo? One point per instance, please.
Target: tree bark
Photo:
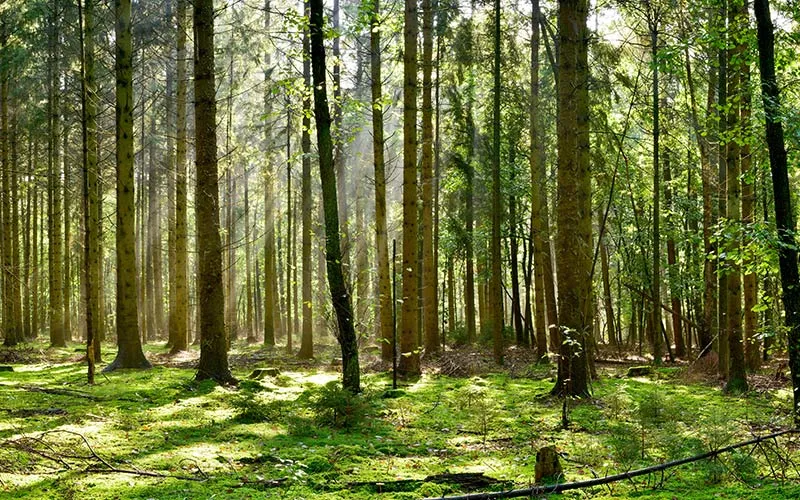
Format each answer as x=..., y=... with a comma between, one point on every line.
x=496, y=280
x=351, y=375
x=213, y=344
x=129, y=353
x=381, y=237
x=306, y=343
x=409, y=359
x=573, y=242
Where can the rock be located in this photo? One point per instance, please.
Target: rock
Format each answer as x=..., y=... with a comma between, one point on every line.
x=548, y=467
x=640, y=371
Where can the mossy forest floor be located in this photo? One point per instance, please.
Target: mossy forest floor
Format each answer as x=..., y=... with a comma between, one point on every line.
x=294, y=435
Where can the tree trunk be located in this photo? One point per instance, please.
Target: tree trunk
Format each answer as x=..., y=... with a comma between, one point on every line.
x=129, y=353
x=409, y=359
x=496, y=280
x=737, y=380
x=573, y=242
x=787, y=253
x=381, y=238
x=306, y=344
x=430, y=279
x=270, y=270
x=673, y=268
x=213, y=344
x=181, y=282
x=340, y=295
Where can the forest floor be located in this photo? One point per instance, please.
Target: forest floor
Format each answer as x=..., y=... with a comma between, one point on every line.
x=293, y=434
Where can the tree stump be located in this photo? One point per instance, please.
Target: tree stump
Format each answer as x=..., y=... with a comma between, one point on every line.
x=640, y=371
x=548, y=467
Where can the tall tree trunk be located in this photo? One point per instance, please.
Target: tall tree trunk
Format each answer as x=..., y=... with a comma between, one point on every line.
x=129, y=353
x=573, y=242
x=722, y=188
x=750, y=286
x=307, y=343
x=381, y=238
x=213, y=344
x=430, y=279
x=496, y=280
x=91, y=199
x=169, y=169
x=351, y=375
x=673, y=269
x=409, y=360
x=787, y=253
x=54, y=253
x=270, y=281
x=288, y=246
x=658, y=340
x=248, y=259
x=737, y=379
x=181, y=281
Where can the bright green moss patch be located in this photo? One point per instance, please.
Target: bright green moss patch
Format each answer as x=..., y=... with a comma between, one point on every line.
x=296, y=435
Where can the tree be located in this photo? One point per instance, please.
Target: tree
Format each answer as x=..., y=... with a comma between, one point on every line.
x=306, y=342
x=737, y=381
x=91, y=212
x=784, y=218
x=346, y=335
x=409, y=360
x=129, y=352
x=181, y=306
x=385, y=318
x=430, y=279
x=573, y=211
x=496, y=288
x=213, y=343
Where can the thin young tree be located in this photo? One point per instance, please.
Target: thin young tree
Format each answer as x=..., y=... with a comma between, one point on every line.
x=346, y=335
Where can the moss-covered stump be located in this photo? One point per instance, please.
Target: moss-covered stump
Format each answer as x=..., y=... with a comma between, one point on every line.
x=548, y=467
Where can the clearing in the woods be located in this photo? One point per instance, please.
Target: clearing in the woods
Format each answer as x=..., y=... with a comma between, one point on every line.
x=290, y=432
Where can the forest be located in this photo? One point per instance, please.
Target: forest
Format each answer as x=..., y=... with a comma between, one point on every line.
x=399, y=249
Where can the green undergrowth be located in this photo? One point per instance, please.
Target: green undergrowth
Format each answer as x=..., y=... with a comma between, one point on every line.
x=297, y=435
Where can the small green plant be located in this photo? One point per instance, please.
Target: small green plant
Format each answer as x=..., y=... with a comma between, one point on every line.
x=337, y=407
x=252, y=407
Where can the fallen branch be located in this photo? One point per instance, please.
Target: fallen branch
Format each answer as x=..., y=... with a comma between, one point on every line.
x=558, y=488
x=93, y=462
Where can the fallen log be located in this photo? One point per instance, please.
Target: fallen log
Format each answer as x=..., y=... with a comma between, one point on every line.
x=558, y=488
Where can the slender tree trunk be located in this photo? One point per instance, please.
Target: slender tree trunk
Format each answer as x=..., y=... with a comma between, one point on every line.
x=213, y=344
x=409, y=359
x=496, y=279
x=750, y=290
x=307, y=343
x=673, y=268
x=430, y=280
x=129, y=353
x=54, y=253
x=723, y=342
x=351, y=377
x=169, y=169
x=270, y=282
x=248, y=260
x=381, y=238
x=181, y=281
x=787, y=253
x=737, y=379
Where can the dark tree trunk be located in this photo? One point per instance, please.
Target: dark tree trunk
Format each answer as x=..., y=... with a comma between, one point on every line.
x=340, y=296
